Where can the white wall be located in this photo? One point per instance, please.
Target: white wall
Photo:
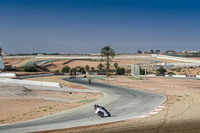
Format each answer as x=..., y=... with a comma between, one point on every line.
x=180, y=64
x=29, y=82
x=7, y=74
x=177, y=58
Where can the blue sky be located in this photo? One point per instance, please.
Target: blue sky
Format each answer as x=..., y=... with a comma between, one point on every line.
x=85, y=26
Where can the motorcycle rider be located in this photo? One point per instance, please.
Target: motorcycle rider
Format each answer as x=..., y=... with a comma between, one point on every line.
x=97, y=106
x=89, y=82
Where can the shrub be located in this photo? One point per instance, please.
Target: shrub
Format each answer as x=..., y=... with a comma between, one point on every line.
x=30, y=69
x=116, y=65
x=171, y=73
x=178, y=69
x=161, y=70
x=173, y=69
x=120, y=71
x=56, y=71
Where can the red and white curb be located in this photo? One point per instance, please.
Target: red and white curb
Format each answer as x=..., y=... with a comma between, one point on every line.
x=152, y=113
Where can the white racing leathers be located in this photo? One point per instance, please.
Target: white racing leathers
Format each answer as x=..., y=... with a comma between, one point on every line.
x=102, y=112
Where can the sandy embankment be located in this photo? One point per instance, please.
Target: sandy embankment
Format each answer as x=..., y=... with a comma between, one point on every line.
x=18, y=103
x=180, y=115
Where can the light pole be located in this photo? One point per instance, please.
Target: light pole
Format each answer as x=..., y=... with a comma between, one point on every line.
x=145, y=68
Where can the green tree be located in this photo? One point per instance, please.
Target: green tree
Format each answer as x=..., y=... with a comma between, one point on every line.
x=161, y=70
x=116, y=65
x=66, y=69
x=92, y=69
x=100, y=66
x=107, y=52
x=152, y=51
x=80, y=69
x=142, y=71
x=87, y=67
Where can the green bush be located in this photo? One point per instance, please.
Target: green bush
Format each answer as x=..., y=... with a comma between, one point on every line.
x=30, y=69
x=178, y=69
x=173, y=69
x=120, y=71
x=142, y=71
x=171, y=73
x=161, y=70
x=56, y=71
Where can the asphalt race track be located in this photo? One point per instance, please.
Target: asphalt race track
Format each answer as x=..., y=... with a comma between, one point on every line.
x=123, y=103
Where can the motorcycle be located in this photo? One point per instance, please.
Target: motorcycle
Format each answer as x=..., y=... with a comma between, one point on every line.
x=101, y=111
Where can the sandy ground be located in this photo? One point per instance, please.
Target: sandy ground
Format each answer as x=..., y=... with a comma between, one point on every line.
x=180, y=115
x=57, y=65
x=186, y=71
x=18, y=103
x=12, y=61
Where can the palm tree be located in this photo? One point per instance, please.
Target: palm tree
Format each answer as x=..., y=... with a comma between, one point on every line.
x=107, y=52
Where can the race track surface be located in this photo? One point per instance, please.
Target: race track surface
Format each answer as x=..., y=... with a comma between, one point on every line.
x=123, y=103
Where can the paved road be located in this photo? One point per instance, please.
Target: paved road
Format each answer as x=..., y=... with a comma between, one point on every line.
x=40, y=62
x=123, y=103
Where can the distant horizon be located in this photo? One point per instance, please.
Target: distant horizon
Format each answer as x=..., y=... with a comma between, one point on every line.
x=81, y=27
x=57, y=53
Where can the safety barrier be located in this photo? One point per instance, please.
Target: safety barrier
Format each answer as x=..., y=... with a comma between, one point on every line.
x=183, y=76
x=7, y=74
x=179, y=76
x=176, y=76
x=179, y=64
x=28, y=82
x=38, y=75
x=176, y=58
